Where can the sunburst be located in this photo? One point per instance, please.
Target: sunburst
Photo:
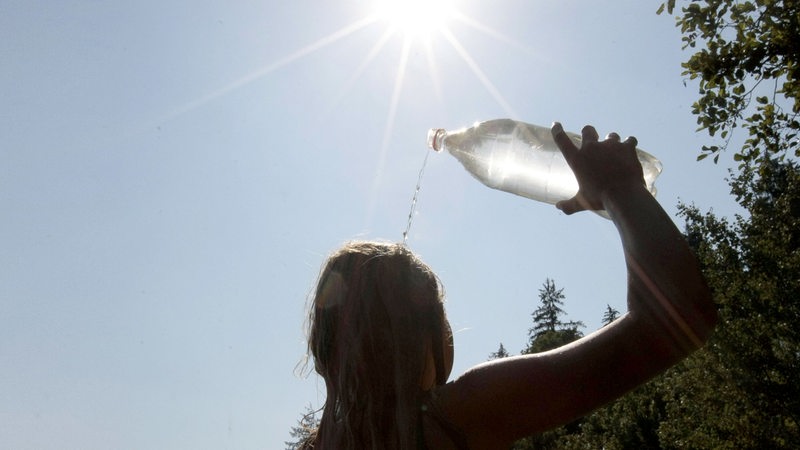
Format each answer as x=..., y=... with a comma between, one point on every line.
x=418, y=23
x=415, y=18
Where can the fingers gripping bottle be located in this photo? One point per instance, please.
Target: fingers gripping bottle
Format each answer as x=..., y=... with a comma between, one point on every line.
x=521, y=158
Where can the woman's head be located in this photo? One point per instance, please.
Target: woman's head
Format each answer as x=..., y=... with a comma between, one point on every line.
x=377, y=317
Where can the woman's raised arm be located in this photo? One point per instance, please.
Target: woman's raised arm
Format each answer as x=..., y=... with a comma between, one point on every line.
x=670, y=314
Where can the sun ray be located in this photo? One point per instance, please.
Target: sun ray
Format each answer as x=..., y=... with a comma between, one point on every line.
x=263, y=71
x=379, y=44
x=434, y=73
x=478, y=72
x=389, y=128
x=469, y=21
x=398, y=87
x=414, y=34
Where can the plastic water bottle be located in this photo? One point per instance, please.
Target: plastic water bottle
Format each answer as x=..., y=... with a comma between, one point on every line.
x=522, y=159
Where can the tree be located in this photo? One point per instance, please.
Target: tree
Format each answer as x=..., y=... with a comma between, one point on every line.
x=500, y=353
x=305, y=428
x=610, y=315
x=549, y=331
x=745, y=51
x=547, y=316
x=631, y=422
x=753, y=360
x=739, y=391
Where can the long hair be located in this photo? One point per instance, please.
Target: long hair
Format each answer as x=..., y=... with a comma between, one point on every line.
x=376, y=312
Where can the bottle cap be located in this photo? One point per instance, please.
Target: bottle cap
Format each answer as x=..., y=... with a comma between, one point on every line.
x=435, y=138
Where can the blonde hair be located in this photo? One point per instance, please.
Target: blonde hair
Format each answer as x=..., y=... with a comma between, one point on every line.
x=376, y=312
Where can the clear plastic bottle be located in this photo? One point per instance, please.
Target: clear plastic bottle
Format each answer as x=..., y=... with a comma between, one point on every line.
x=521, y=158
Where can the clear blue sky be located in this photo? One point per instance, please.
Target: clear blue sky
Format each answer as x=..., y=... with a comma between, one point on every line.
x=172, y=175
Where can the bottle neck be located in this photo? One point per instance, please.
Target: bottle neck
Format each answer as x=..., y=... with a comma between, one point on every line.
x=436, y=138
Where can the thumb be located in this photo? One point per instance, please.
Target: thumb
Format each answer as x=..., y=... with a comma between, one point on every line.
x=570, y=206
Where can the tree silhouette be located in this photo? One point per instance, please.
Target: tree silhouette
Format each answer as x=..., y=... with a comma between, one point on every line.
x=500, y=353
x=610, y=315
x=304, y=429
x=548, y=330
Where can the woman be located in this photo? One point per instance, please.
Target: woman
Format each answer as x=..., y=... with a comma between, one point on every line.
x=380, y=339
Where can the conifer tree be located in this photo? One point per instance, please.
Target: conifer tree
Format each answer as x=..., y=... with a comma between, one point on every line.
x=500, y=353
x=739, y=391
x=548, y=330
x=303, y=430
x=610, y=315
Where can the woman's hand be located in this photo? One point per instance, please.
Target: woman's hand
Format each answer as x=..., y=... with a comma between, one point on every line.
x=601, y=167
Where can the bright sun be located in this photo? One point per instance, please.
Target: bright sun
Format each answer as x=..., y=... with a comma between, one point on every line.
x=415, y=18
